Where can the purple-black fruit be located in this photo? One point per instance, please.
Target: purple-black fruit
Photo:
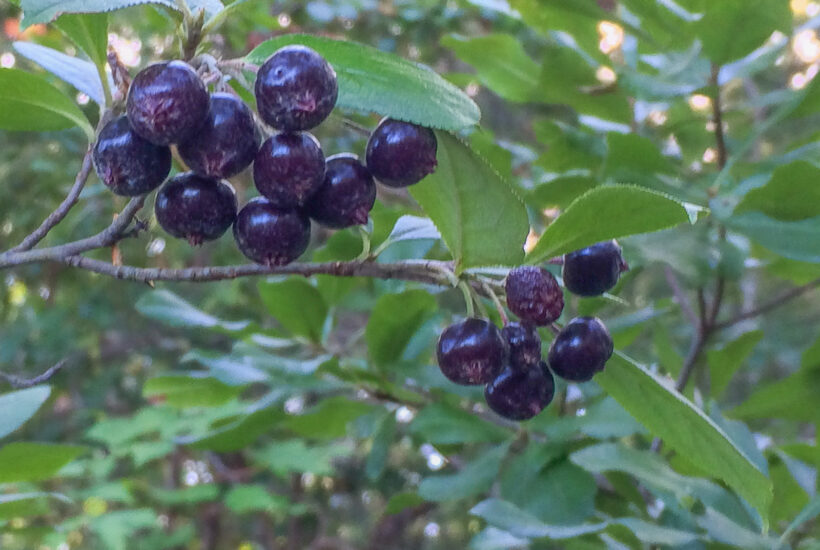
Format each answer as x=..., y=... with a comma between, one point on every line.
x=289, y=169
x=346, y=195
x=524, y=344
x=167, y=102
x=471, y=352
x=195, y=207
x=295, y=89
x=401, y=153
x=593, y=270
x=533, y=295
x=520, y=394
x=128, y=164
x=581, y=349
x=226, y=143
x=270, y=235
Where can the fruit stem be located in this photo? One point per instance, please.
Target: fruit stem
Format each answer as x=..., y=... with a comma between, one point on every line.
x=365, y=254
x=468, y=298
x=498, y=305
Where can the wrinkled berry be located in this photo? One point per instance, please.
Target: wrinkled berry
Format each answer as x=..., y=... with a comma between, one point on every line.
x=593, y=270
x=346, y=195
x=524, y=344
x=401, y=153
x=226, y=143
x=520, y=394
x=128, y=164
x=471, y=352
x=167, y=102
x=289, y=169
x=533, y=295
x=296, y=89
x=581, y=349
x=195, y=208
x=270, y=235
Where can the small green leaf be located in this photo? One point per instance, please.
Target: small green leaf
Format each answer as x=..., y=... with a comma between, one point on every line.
x=441, y=424
x=410, y=228
x=28, y=504
x=167, y=307
x=186, y=495
x=285, y=457
x=296, y=305
x=393, y=322
x=632, y=156
x=327, y=420
x=29, y=102
x=89, y=31
x=18, y=406
x=77, y=72
x=34, y=461
x=811, y=511
x=380, y=448
x=509, y=517
x=402, y=501
x=480, y=218
x=796, y=240
x=374, y=81
x=791, y=194
x=724, y=362
x=560, y=191
x=238, y=434
x=607, y=212
x=190, y=390
x=43, y=11
x=243, y=499
x=474, y=478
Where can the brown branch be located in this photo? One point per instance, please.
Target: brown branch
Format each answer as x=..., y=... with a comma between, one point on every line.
x=774, y=303
x=21, y=383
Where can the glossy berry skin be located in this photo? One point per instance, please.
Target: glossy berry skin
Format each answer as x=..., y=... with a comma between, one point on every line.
x=524, y=344
x=401, y=153
x=270, y=235
x=295, y=89
x=128, y=164
x=195, y=208
x=593, y=270
x=289, y=169
x=533, y=295
x=581, y=349
x=167, y=102
x=346, y=195
x=471, y=352
x=226, y=143
x=520, y=394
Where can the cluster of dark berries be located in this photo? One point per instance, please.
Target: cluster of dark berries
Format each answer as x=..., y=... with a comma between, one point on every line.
x=216, y=136
x=519, y=383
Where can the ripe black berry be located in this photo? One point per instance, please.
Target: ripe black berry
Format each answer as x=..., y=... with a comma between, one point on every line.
x=534, y=295
x=167, y=102
x=524, y=344
x=346, y=195
x=400, y=153
x=128, y=164
x=581, y=349
x=593, y=270
x=520, y=394
x=270, y=235
x=289, y=169
x=471, y=352
x=195, y=208
x=226, y=143
x=295, y=89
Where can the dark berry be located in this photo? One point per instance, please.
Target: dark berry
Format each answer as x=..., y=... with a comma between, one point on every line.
x=524, y=344
x=593, y=270
x=226, y=143
x=520, y=394
x=346, y=195
x=471, y=352
x=289, y=169
x=271, y=235
x=128, y=164
x=195, y=207
x=581, y=349
x=295, y=89
x=167, y=102
x=401, y=153
x=534, y=295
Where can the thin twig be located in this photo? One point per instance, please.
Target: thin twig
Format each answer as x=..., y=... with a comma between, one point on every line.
x=774, y=303
x=21, y=383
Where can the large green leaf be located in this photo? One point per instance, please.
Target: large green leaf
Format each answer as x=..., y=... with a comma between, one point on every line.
x=508, y=517
x=79, y=73
x=684, y=428
x=474, y=478
x=796, y=240
x=43, y=11
x=607, y=212
x=167, y=307
x=441, y=424
x=29, y=102
x=89, y=31
x=480, y=218
x=791, y=194
x=189, y=390
x=327, y=420
x=27, y=504
x=284, y=457
x=18, y=406
x=296, y=305
x=34, y=461
x=393, y=322
x=374, y=81
x=724, y=362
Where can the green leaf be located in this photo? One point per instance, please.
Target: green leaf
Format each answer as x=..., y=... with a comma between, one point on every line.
x=560, y=191
x=190, y=390
x=684, y=428
x=167, y=307
x=244, y=499
x=500, y=62
x=798, y=240
x=327, y=420
x=285, y=457
x=186, y=495
x=393, y=322
x=632, y=158
x=474, y=478
x=27, y=504
x=115, y=529
x=296, y=305
x=811, y=511
x=508, y=517
x=724, y=362
x=374, y=81
x=229, y=369
x=380, y=448
x=791, y=194
x=238, y=434
x=480, y=218
x=77, y=72
x=441, y=424
x=18, y=406
x=607, y=212
x=34, y=461
x=410, y=228
x=29, y=102
x=402, y=501
x=780, y=399
x=43, y=11
x=89, y=31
